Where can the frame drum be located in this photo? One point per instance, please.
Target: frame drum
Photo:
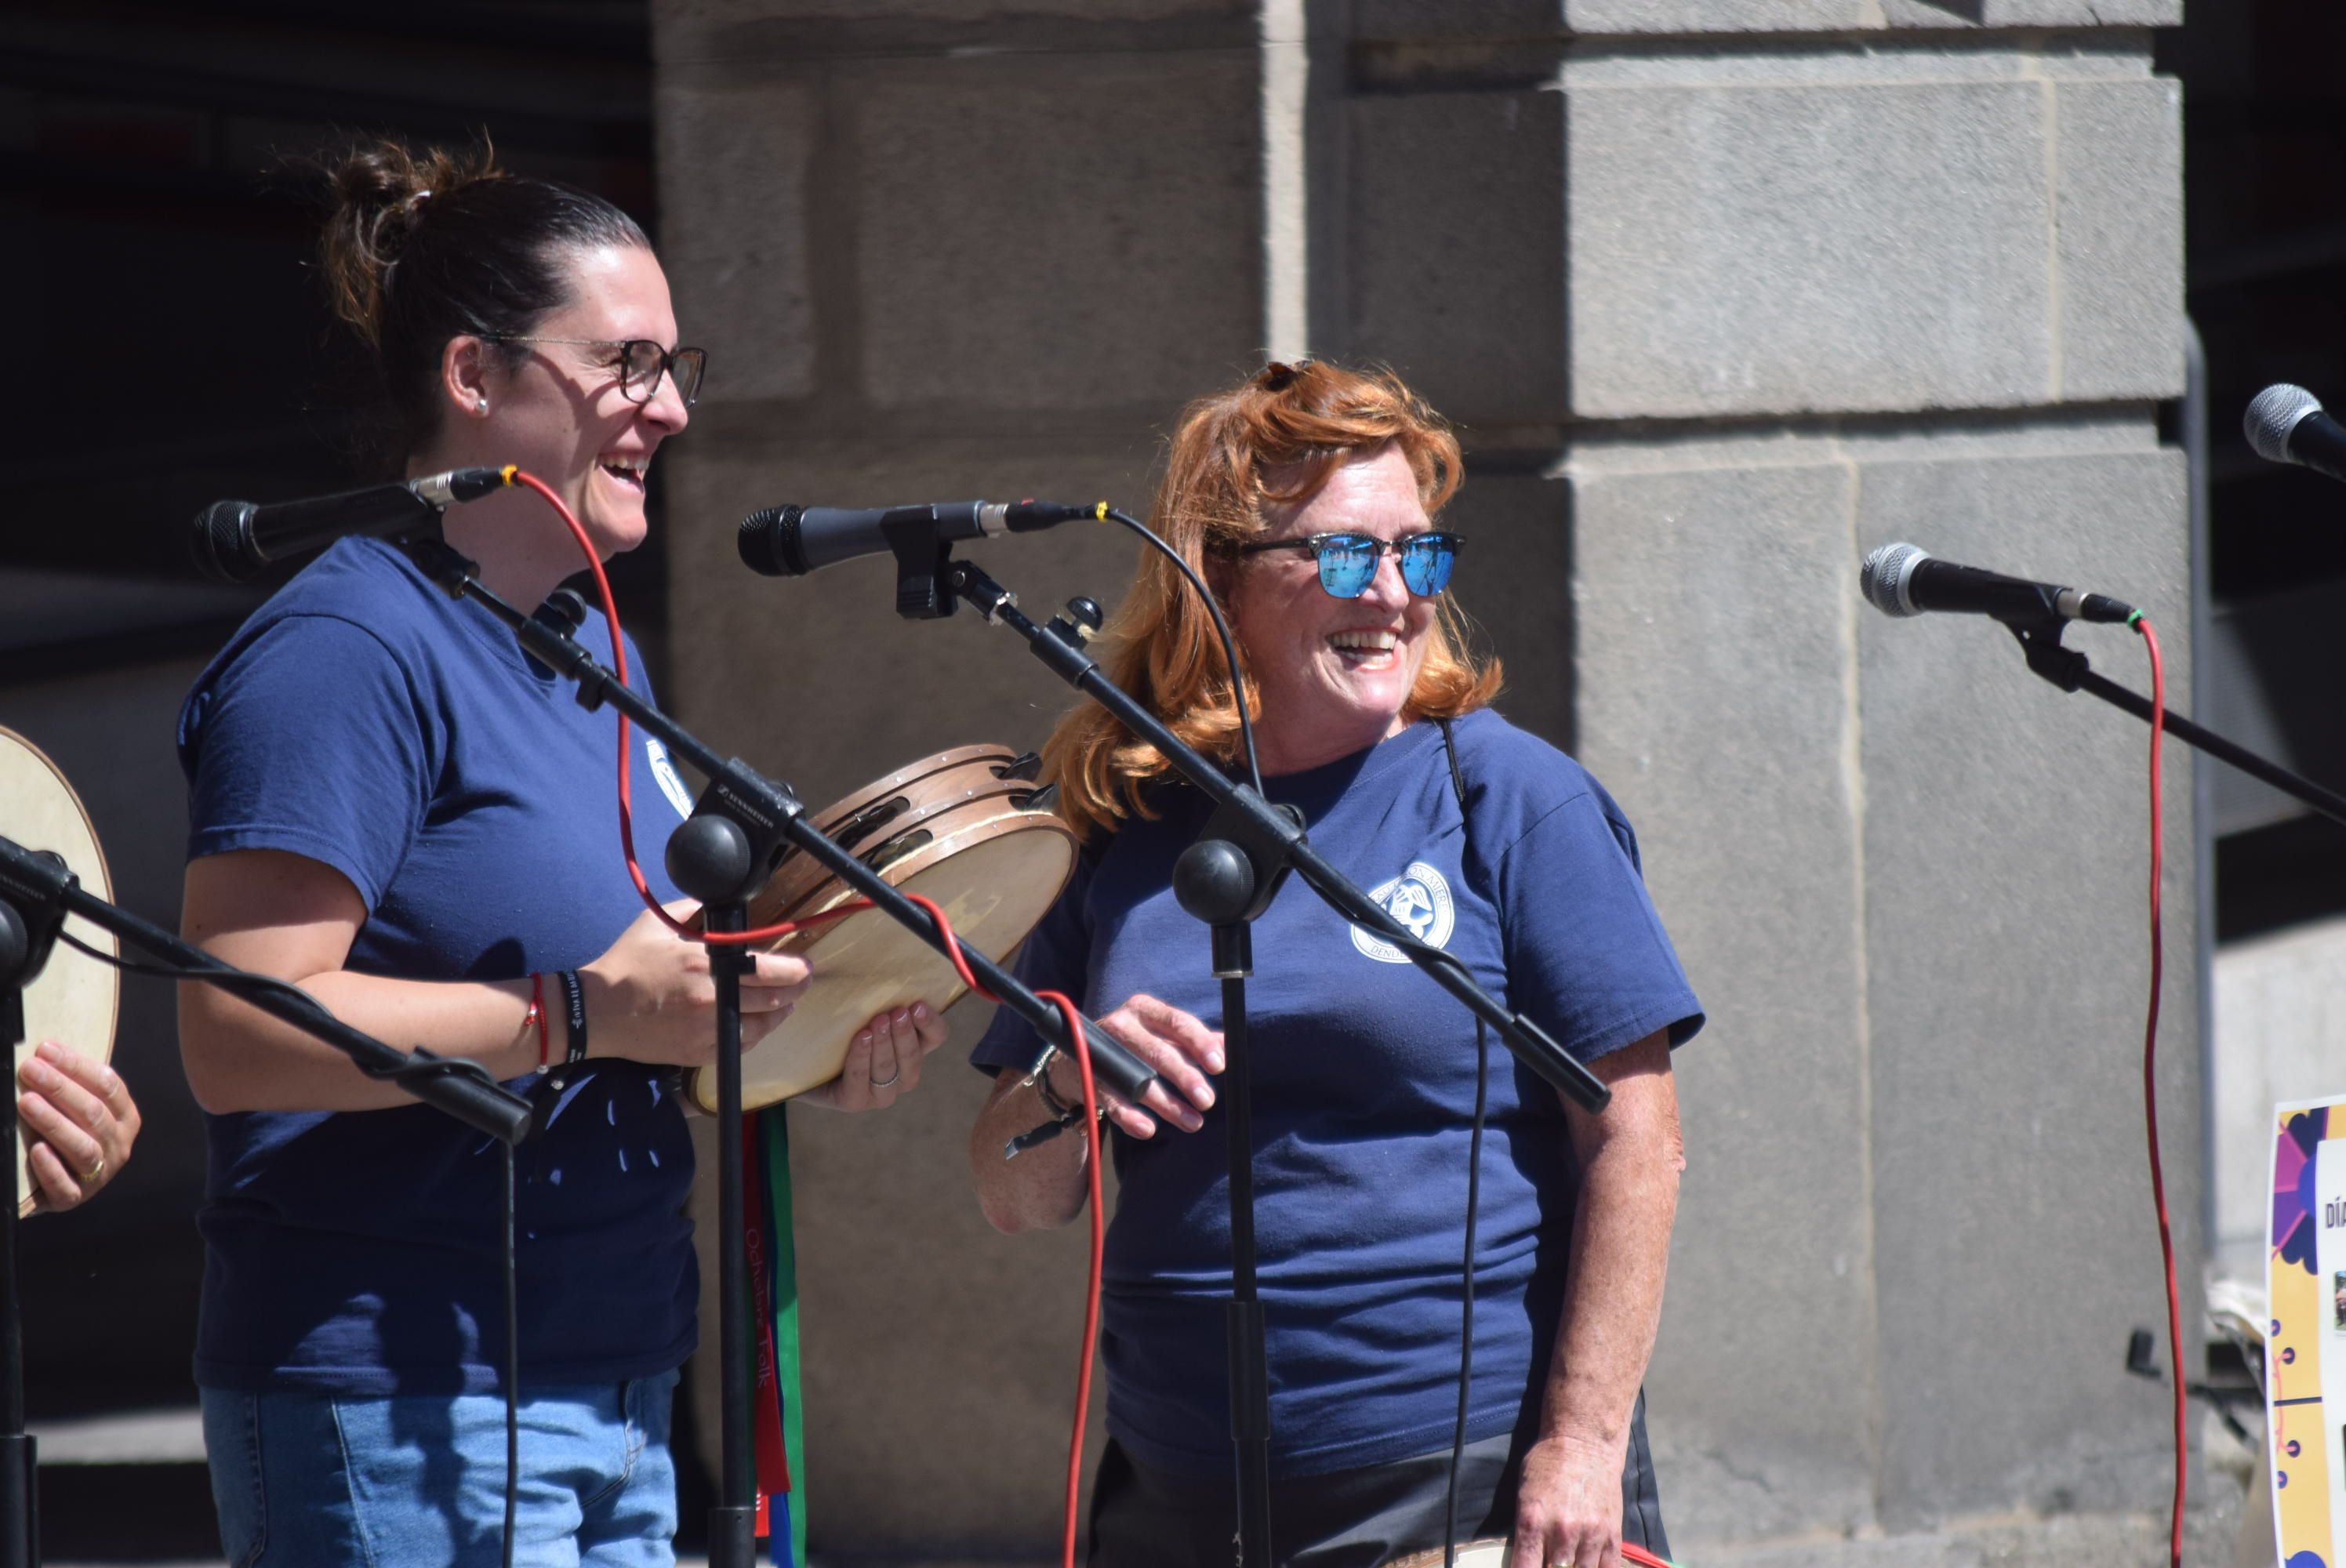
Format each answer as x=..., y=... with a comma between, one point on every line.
x=1472, y=1554
x=72, y=1000
x=961, y=828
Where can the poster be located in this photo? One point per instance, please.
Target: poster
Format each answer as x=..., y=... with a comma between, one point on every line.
x=2305, y=1343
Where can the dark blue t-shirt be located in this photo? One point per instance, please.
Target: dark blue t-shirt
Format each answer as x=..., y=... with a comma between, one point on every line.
x=364, y=719
x=1364, y=1095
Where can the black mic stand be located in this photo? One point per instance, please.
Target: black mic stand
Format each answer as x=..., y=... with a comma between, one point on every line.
x=722, y=856
x=2040, y=642
x=38, y=891
x=1228, y=877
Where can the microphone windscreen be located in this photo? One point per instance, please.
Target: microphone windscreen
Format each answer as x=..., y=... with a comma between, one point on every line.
x=222, y=541
x=1882, y=578
x=2273, y=414
x=760, y=540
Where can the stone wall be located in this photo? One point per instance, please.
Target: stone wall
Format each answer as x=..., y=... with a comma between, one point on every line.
x=1722, y=295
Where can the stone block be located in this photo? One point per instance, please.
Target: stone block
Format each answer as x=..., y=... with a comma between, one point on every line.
x=1707, y=16
x=1455, y=219
x=2034, y=13
x=1696, y=17
x=2118, y=220
x=1713, y=667
x=733, y=161
x=1792, y=247
x=1515, y=586
x=795, y=33
x=2005, y=850
x=843, y=690
x=1056, y=233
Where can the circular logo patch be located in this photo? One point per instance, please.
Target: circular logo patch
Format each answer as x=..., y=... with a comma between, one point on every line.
x=1420, y=899
x=665, y=772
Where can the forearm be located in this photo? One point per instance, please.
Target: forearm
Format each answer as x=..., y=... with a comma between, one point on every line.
x=241, y=1059
x=1043, y=1187
x=1613, y=1301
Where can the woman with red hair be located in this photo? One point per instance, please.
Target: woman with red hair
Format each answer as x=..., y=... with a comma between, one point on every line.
x=1308, y=497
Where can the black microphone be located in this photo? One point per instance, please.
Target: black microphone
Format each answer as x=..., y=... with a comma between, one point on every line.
x=791, y=541
x=234, y=540
x=1900, y=580
x=2285, y=423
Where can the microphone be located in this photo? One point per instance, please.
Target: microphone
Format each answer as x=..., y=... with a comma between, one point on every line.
x=234, y=540
x=791, y=541
x=1900, y=580
x=2286, y=423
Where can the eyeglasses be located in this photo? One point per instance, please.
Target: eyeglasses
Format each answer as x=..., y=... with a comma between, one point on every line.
x=1348, y=562
x=641, y=363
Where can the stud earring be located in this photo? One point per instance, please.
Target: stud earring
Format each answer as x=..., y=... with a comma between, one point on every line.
x=480, y=405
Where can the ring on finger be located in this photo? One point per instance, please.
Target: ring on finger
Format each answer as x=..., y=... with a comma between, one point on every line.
x=97, y=1170
x=890, y=1078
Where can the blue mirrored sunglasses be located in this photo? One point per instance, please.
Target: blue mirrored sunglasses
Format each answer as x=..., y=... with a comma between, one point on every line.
x=1348, y=562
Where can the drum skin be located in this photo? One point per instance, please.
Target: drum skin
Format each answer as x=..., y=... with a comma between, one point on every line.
x=961, y=828
x=73, y=1000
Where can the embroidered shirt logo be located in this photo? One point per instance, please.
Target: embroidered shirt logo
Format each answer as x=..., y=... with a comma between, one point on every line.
x=665, y=772
x=1420, y=899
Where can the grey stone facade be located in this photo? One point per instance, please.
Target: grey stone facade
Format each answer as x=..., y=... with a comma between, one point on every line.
x=1723, y=295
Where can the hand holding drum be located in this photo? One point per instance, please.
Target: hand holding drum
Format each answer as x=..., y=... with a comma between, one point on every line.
x=76, y=1121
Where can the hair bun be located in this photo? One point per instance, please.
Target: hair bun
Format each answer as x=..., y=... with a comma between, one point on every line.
x=379, y=195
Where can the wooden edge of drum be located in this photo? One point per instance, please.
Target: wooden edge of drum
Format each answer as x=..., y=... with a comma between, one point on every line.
x=1471, y=1555
x=839, y=810
x=98, y=879
x=700, y=1082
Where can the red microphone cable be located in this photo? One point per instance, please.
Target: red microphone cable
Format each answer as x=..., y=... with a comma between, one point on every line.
x=2150, y=1081
x=1068, y=1009
x=627, y=810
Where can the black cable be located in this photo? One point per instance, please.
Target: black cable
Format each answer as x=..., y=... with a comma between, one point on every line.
x=513, y=1364
x=1474, y=1190
x=1230, y=648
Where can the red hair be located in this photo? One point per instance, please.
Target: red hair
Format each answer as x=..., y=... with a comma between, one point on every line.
x=1270, y=443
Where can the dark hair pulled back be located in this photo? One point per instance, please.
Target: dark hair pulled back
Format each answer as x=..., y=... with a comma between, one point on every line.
x=420, y=249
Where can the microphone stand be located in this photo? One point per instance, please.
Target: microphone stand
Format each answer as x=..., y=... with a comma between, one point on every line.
x=2040, y=642
x=722, y=855
x=38, y=891
x=1227, y=879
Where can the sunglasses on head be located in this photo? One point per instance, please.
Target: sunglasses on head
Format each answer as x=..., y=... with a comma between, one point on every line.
x=1348, y=562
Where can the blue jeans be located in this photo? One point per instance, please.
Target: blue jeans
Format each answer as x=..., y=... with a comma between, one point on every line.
x=312, y=1480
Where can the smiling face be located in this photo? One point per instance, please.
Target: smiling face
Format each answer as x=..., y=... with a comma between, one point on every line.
x=556, y=408
x=1333, y=674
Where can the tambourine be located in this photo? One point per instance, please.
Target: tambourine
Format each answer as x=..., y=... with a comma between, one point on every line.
x=72, y=1000
x=1472, y=1554
x=963, y=827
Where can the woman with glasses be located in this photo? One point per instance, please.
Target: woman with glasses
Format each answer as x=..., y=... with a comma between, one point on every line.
x=1308, y=497
x=394, y=808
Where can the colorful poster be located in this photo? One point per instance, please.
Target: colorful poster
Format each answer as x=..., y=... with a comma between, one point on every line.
x=2305, y=1342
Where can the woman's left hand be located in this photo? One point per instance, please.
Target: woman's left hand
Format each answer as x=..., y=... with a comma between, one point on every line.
x=82, y=1121
x=1567, y=1506
x=884, y=1063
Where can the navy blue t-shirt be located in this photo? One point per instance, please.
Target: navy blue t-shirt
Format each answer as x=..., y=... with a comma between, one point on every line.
x=1364, y=1095
x=365, y=720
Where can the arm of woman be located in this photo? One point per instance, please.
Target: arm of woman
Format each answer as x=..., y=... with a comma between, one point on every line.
x=1568, y=1505
x=1045, y=1187
x=648, y=996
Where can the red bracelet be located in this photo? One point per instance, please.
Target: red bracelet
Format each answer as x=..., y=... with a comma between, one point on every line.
x=538, y=1013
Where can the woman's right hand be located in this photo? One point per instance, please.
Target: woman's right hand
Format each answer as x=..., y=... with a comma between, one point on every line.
x=1182, y=1050
x=651, y=998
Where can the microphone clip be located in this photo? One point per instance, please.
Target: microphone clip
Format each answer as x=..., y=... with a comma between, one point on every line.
x=924, y=563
